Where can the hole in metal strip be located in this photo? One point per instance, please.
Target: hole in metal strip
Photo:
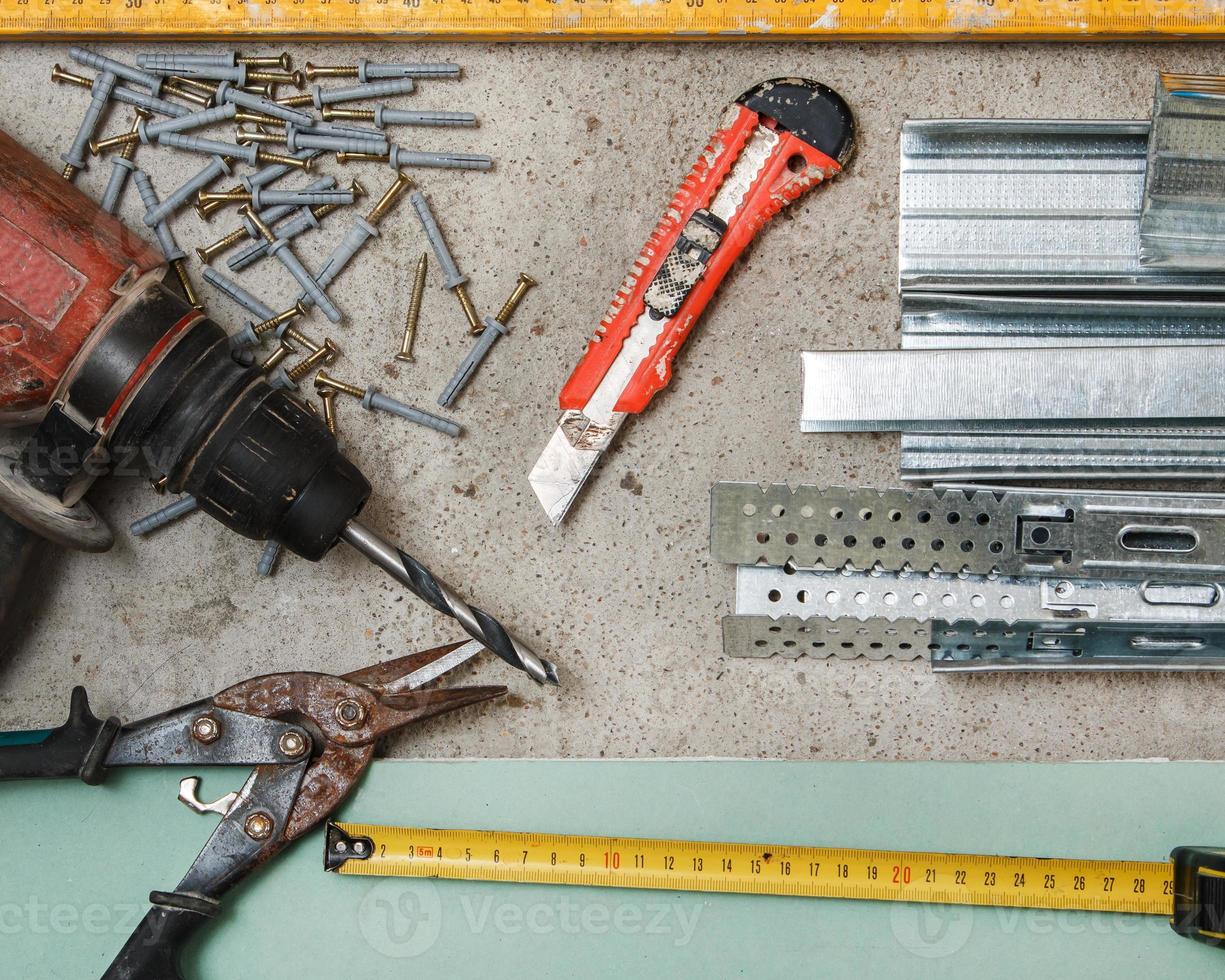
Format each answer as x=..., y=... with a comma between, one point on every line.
x=1167, y=540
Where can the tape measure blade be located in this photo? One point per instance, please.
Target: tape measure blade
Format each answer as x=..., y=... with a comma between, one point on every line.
x=1136, y=887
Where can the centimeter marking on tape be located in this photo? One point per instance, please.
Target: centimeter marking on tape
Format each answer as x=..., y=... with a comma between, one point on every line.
x=1140, y=887
x=616, y=19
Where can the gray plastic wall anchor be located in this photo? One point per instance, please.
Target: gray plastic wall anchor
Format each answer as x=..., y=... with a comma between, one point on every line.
x=275, y=212
x=100, y=95
x=129, y=96
x=274, y=171
x=234, y=74
x=121, y=168
x=384, y=115
x=304, y=221
x=400, y=157
x=238, y=294
x=370, y=90
x=337, y=143
x=149, y=132
x=280, y=248
x=374, y=402
x=198, y=144
x=181, y=196
x=165, y=238
x=154, y=62
x=228, y=93
x=434, y=234
x=360, y=232
x=343, y=129
x=268, y=559
x=160, y=518
x=261, y=198
x=98, y=62
x=467, y=368
x=371, y=71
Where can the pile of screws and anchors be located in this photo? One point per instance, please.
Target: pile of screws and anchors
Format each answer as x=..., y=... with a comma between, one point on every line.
x=176, y=96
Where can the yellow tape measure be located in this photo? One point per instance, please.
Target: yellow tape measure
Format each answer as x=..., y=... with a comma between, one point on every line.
x=616, y=19
x=1143, y=887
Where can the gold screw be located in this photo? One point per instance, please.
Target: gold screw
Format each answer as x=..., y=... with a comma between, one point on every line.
x=259, y=118
x=465, y=301
x=277, y=77
x=324, y=355
x=284, y=349
x=299, y=338
x=206, y=208
x=248, y=136
x=69, y=172
x=264, y=326
x=330, y=71
x=195, y=85
x=524, y=283
x=293, y=101
x=331, y=114
x=343, y=157
x=324, y=380
x=414, y=311
x=390, y=196
x=258, y=826
x=58, y=74
x=218, y=198
x=203, y=101
x=129, y=151
x=263, y=156
x=260, y=225
x=189, y=291
x=210, y=252
x=328, y=397
x=281, y=61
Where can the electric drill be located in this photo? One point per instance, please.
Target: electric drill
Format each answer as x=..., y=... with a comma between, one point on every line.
x=113, y=367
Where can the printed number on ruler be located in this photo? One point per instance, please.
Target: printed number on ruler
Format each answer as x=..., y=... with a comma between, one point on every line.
x=1144, y=887
x=577, y=19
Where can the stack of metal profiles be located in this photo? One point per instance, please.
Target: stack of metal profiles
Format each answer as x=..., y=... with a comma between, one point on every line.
x=1026, y=234
x=1182, y=223
x=975, y=578
x=1038, y=345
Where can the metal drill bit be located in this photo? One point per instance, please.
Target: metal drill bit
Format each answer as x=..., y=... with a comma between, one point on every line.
x=421, y=582
x=414, y=310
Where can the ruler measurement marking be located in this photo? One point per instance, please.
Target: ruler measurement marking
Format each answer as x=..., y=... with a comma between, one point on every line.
x=616, y=19
x=1139, y=887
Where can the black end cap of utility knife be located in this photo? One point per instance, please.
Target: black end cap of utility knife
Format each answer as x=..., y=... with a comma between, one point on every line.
x=811, y=111
x=1199, y=894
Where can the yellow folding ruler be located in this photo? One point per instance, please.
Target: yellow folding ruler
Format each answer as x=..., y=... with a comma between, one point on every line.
x=616, y=19
x=1188, y=889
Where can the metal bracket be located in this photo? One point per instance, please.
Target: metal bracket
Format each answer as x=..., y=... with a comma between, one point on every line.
x=978, y=531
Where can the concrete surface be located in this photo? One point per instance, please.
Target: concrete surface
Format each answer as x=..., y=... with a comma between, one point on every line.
x=590, y=143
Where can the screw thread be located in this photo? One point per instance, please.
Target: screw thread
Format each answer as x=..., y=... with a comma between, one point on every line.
x=465, y=301
x=328, y=397
x=525, y=283
x=331, y=114
x=281, y=61
x=189, y=290
x=316, y=358
x=330, y=71
x=209, y=252
x=214, y=199
x=296, y=335
x=264, y=326
x=294, y=101
x=264, y=156
x=58, y=74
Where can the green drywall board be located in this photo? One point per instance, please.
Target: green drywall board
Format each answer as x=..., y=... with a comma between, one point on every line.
x=78, y=861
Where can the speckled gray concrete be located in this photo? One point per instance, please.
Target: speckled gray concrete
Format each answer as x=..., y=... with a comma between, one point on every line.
x=590, y=142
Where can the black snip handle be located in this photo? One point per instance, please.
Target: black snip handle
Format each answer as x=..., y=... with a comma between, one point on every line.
x=153, y=951
x=77, y=748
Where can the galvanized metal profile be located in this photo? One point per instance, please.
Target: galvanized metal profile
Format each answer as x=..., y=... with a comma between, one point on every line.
x=767, y=590
x=990, y=646
x=1046, y=453
x=943, y=320
x=976, y=531
x=895, y=391
x=992, y=205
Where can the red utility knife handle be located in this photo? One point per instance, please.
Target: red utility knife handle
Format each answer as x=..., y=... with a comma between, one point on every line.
x=792, y=167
